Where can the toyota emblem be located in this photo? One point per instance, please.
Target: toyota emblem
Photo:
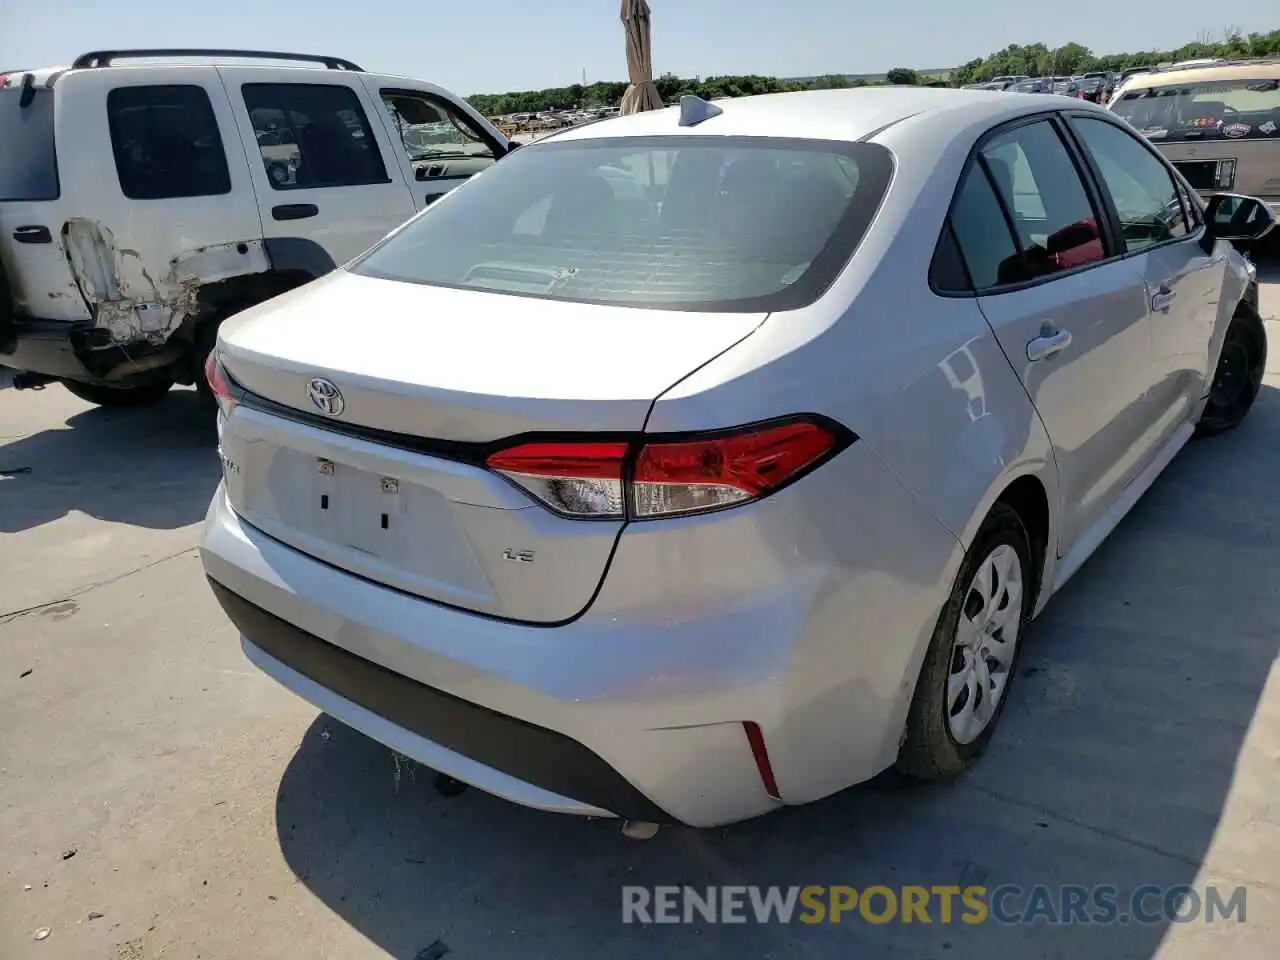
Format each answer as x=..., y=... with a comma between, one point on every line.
x=326, y=396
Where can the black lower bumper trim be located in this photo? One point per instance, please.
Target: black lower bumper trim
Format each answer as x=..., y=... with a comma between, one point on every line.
x=534, y=754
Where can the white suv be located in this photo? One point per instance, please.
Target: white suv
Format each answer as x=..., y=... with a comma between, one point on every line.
x=142, y=203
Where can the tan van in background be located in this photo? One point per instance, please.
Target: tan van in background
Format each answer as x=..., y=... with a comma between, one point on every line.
x=1219, y=125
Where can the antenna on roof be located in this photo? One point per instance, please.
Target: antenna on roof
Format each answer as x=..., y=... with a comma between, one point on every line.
x=693, y=110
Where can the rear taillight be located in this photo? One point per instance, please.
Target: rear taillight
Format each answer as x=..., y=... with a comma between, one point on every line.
x=648, y=478
x=576, y=479
x=218, y=384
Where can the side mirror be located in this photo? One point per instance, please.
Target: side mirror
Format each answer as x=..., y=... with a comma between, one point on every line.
x=1230, y=216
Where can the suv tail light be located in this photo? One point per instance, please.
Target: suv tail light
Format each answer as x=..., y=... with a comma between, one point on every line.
x=218, y=384
x=650, y=477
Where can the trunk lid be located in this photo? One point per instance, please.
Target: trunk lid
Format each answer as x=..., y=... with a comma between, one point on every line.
x=392, y=487
x=464, y=365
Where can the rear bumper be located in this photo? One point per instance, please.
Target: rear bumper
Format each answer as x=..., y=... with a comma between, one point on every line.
x=583, y=734
x=46, y=347
x=527, y=763
x=68, y=351
x=808, y=621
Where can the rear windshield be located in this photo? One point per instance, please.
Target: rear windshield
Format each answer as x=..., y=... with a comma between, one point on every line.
x=1210, y=110
x=678, y=223
x=28, y=163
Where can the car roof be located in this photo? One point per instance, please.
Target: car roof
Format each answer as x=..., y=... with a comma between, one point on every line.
x=45, y=77
x=845, y=115
x=40, y=76
x=1262, y=70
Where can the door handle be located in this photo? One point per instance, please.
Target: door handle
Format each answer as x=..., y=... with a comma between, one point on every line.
x=431, y=198
x=33, y=235
x=1050, y=341
x=1162, y=299
x=294, y=211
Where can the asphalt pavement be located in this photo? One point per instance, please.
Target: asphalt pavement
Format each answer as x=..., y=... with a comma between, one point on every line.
x=161, y=798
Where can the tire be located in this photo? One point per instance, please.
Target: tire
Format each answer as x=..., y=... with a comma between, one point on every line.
x=117, y=398
x=1238, y=376
x=6, y=312
x=935, y=745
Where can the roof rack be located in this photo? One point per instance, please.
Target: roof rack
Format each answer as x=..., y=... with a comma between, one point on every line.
x=104, y=58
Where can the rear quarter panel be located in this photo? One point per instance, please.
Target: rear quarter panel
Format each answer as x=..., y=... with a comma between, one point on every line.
x=941, y=418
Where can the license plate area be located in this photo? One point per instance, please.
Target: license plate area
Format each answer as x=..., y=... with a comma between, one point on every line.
x=358, y=509
x=383, y=525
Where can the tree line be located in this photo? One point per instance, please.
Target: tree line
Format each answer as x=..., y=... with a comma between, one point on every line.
x=1033, y=60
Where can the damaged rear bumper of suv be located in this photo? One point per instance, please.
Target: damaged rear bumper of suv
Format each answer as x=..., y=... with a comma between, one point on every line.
x=47, y=350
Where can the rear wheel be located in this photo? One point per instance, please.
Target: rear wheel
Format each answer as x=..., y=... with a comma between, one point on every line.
x=120, y=397
x=969, y=667
x=1238, y=377
x=6, y=312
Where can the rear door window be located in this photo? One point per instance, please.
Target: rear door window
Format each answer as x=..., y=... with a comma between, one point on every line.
x=313, y=135
x=1141, y=187
x=694, y=223
x=28, y=160
x=1054, y=223
x=982, y=232
x=166, y=142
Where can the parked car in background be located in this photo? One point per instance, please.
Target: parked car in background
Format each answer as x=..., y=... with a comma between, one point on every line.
x=693, y=464
x=1219, y=125
x=1091, y=88
x=1067, y=87
x=1037, y=85
x=142, y=204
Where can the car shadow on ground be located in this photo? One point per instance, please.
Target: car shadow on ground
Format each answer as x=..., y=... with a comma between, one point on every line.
x=1114, y=762
x=155, y=467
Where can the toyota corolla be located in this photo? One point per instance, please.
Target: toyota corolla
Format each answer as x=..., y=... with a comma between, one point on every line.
x=692, y=464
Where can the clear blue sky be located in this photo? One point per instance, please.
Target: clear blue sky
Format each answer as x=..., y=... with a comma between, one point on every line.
x=490, y=46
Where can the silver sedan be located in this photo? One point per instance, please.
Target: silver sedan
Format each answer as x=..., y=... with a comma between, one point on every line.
x=688, y=465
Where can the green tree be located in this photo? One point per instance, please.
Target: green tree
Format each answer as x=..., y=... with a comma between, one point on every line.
x=1034, y=60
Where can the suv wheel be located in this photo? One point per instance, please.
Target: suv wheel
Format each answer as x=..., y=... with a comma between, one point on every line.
x=6, y=311
x=120, y=397
x=206, y=340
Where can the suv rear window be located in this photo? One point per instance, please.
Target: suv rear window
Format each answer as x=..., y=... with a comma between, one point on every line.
x=28, y=160
x=1209, y=110
x=679, y=223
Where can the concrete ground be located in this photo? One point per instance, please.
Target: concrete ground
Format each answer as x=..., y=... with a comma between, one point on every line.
x=160, y=798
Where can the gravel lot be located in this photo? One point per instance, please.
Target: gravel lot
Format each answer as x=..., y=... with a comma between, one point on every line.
x=160, y=798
